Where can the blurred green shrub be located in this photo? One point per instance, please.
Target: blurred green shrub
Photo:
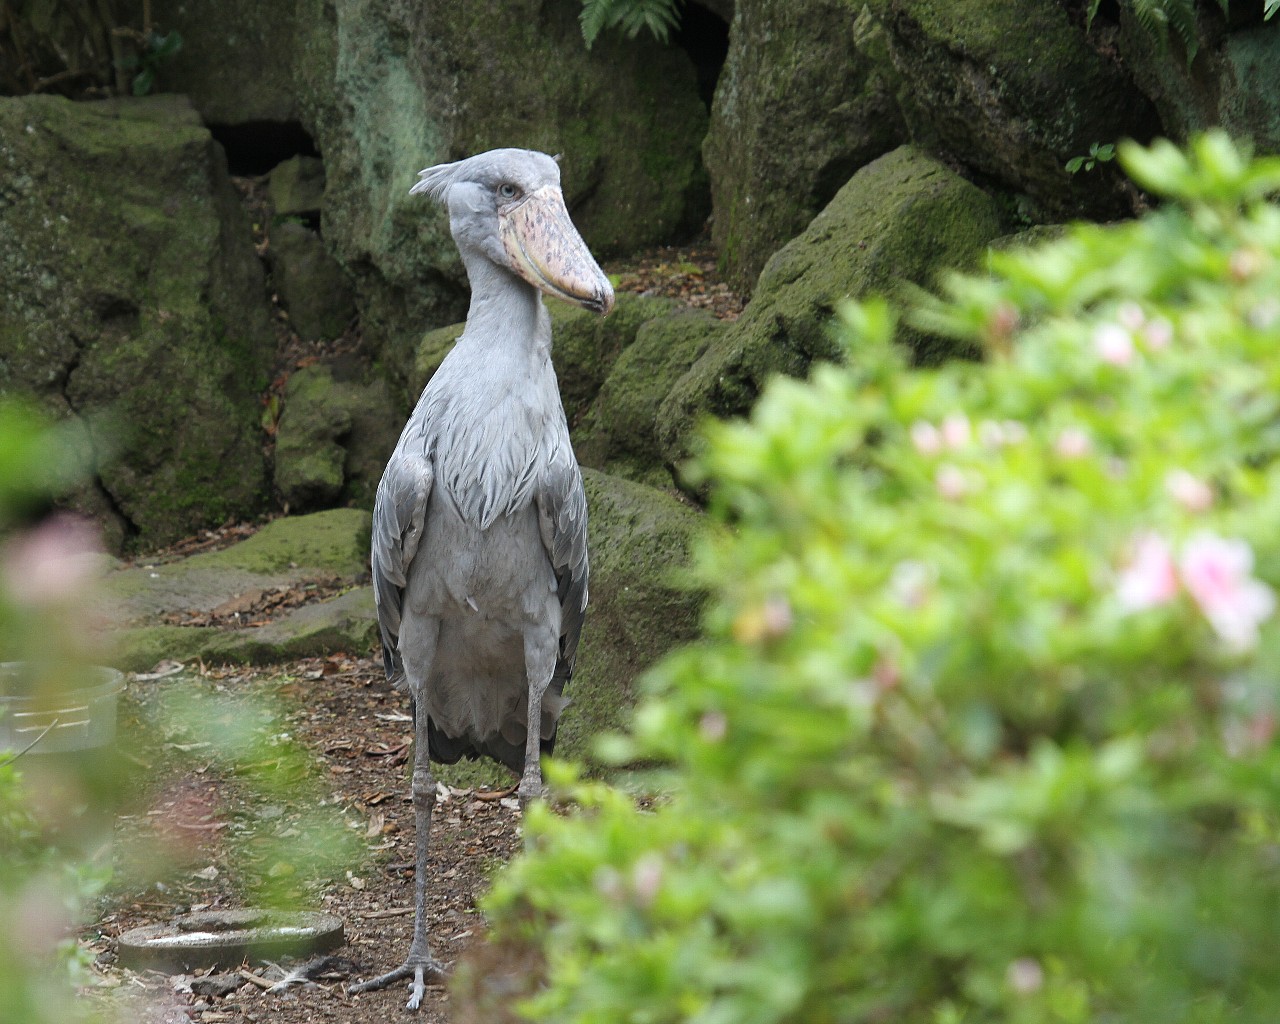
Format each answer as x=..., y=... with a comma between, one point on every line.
x=52, y=823
x=984, y=726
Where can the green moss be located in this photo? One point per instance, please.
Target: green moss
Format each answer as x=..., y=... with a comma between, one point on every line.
x=620, y=431
x=335, y=541
x=135, y=299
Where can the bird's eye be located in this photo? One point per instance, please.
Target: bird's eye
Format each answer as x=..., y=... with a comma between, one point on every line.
x=508, y=190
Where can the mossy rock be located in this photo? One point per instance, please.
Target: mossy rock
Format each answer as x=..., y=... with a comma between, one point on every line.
x=312, y=287
x=135, y=302
x=296, y=187
x=236, y=57
x=309, y=455
x=285, y=552
x=798, y=108
x=337, y=429
x=902, y=218
x=620, y=432
x=347, y=624
x=336, y=541
x=1013, y=90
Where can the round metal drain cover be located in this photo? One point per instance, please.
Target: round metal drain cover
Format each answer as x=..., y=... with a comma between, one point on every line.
x=227, y=937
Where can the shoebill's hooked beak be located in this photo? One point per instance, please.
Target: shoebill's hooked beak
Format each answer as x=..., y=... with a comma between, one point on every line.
x=546, y=250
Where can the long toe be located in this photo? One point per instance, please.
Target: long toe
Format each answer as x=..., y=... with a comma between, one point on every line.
x=417, y=989
x=420, y=973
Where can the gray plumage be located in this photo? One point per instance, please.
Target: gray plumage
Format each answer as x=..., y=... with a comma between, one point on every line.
x=479, y=549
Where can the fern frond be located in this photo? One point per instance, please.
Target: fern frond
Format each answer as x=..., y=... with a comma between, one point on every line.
x=1181, y=15
x=630, y=16
x=596, y=16
x=1156, y=17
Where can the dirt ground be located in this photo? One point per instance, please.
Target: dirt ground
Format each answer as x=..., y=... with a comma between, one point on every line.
x=188, y=844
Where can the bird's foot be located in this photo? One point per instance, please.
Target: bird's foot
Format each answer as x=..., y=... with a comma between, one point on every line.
x=419, y=973
x=530, y=790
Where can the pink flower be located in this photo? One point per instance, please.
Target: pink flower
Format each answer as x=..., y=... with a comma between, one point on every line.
x=1218, y=574
x=1072, y=443
x=1158, y=334
x=1130, y=315
x=1113, y=344
x=955, y=430
x=951, y=482
x=926, y=438
x=1188, y=490
x=52, y=563
x=1150, y=578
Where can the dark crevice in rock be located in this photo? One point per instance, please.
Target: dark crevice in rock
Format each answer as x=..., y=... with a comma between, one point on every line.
x=255, y=147
x=704, y=36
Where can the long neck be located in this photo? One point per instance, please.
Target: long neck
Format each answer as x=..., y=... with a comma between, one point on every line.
x=506, y=307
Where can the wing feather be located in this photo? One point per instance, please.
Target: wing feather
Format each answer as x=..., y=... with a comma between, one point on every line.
x=562, y=519
x=399, y=514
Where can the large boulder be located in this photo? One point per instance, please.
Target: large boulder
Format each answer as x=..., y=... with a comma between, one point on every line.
x=799, y=107
x=311, y=286
x=620, y=431
x=1231, y=84
x=901, y=218
x=236, y=61
x=337, y=428
x=135, y=303
x=252, y=602
x=640, y=542
x=1013, y=90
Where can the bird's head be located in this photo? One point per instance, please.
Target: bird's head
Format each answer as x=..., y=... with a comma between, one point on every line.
x=506, y=205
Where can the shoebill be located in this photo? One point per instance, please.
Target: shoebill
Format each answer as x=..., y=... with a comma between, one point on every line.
x=480, y=521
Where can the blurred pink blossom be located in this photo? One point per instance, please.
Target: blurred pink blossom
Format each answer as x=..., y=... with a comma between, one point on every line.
x=1150, y=578
x=926, y=438
x=1218, y=574
x=951, y=482
x=1158, y=334
x=1189, y=490
x=1130, y=315
x=52, y=563
x=1113, y=344
x=955, y=430
x=1073, y=443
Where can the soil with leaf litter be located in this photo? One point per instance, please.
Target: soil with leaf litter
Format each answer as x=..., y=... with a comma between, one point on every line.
x=328, y=789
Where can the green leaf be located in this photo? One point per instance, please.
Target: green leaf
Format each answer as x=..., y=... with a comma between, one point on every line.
x=143, y=81
x=1269, y=8
x=1074, y=164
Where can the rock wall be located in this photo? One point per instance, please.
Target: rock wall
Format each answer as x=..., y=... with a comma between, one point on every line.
x=134, y=304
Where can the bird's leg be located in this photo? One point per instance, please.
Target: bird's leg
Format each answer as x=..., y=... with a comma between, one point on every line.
x=420, y=966
x=540, y=663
